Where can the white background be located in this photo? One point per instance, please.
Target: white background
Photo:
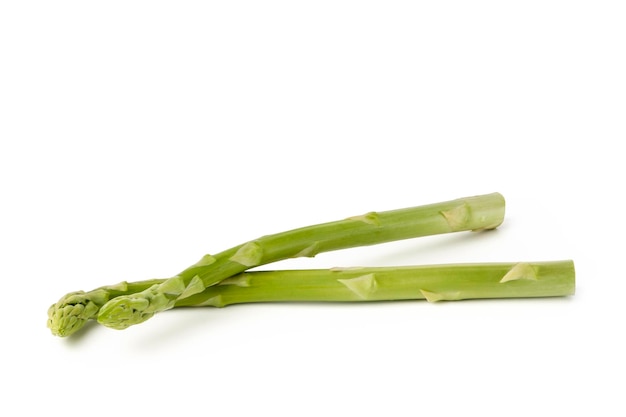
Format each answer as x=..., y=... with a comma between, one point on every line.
x=136, y=136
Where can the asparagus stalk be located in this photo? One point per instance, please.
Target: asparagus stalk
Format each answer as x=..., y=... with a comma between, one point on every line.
x=73, y=310
x=430, y=282
x=471, y=213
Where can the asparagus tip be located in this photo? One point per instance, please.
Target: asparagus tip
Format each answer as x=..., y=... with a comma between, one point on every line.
x=70, y=314
x=125, y=311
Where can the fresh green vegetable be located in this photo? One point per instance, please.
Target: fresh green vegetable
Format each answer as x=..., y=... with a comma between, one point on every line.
x=431, y=282
x=472, y=213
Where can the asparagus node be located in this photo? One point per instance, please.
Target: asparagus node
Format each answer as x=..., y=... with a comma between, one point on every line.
x=428, y=282
x=471, y=213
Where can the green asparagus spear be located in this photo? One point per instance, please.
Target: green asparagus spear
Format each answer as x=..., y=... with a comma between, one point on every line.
x=429, y=282
x=471, y=213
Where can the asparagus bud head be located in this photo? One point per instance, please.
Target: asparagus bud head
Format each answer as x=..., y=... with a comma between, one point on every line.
x=125, y=311
x=72, y=311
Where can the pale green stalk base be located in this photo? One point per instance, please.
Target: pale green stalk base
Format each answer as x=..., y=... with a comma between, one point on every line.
x=472, y=213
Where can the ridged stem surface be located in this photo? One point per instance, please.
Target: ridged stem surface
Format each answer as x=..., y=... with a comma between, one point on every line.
x=430, y=282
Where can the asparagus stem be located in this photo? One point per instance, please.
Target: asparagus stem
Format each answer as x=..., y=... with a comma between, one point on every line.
x=430, y=282
x=471, y=213
x=73, y=310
